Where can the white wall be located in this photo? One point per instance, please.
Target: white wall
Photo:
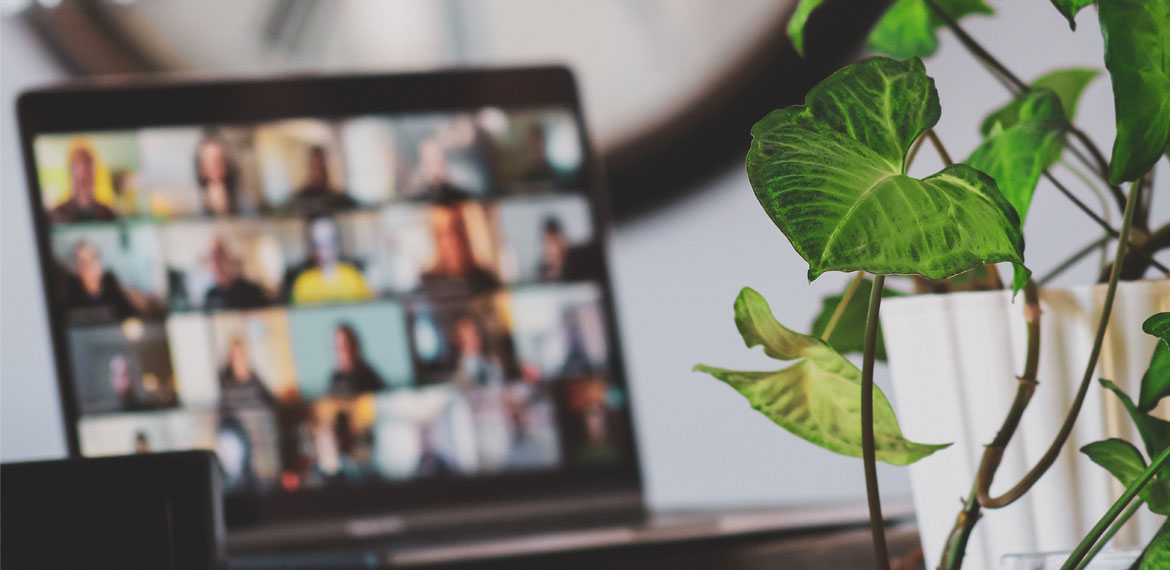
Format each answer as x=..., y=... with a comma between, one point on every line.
x=676, y=276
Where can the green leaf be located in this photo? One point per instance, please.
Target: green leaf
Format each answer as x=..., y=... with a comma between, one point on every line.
x=831, y=174
x=849, y=334
x=1137, y=55
x=819, y=397
x=1026, y=138
x=1156, y=381
x=1155, y=432
x=1157, y=554
x=798, y=20
x=910, y=28
x=1068, y=84
x=1126, y=463
x=1158, y=325
x=1070, y=8
x=1118, y=457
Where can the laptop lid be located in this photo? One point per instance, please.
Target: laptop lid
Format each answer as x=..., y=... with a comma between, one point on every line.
x=368, y=294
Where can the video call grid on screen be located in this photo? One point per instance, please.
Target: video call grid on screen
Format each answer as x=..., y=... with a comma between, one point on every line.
x=336, y=303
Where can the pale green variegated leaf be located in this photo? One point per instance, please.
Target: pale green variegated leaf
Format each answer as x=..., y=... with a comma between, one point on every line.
x=849, y=333
x=909, y=28
x=832, y=175
x=1155, y=432
x=1137, y=55
x=798, y=20
x=1126, y=463
x=1158, y=325
x=1070, y=8
x=818, y=398
x=1021, y=145
x=1156, y=380
x=1157, y=554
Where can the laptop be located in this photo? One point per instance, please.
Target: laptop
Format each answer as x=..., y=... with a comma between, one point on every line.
x=381, y=300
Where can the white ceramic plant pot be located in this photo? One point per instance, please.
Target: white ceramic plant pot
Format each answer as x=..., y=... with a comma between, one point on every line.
x=954, y=360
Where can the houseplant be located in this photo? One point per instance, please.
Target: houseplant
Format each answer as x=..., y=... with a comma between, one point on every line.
x=832, y=175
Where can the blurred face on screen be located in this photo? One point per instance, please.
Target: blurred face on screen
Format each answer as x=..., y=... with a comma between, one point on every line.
x=344, y=350
x=81, y=176
x=89, y=267
x=451, y=241
x=432, y=162
x=213, y=170
x=119, y=374
x=223, y=267
x=553, y=248
x=467, y=337
x=318, y=176
x=213, y=162
x=323, y=235
x=238, y=358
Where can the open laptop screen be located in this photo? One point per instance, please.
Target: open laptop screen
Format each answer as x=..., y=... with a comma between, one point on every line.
x=337, y=303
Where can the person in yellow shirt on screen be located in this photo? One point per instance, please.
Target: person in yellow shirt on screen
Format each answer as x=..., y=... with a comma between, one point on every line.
x=328, y=278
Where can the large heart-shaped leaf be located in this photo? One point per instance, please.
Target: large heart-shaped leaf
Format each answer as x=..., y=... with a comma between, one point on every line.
x=819, y=397
x=849, y=332
x=1155, y=432
x=910, y=28
x=1137, y=55
x=1159, y=326
x=1026, y=139
x=832, y=175
x=1126, y=463
x=1070, y=8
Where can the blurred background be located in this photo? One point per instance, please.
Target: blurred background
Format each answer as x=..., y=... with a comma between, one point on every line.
x=670, y=88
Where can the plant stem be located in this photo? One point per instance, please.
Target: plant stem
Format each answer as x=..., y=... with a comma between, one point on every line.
x=1073, y=259
x=1101, y=222
x=868, y=451
x=982, y=54
x=938, y=146
x=1112, y=531
x=956, y=545
x=840, y=310
x=1090, y=539
x=993, y=454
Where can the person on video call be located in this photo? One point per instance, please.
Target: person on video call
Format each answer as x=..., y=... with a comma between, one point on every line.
x=91, y=292
x=216, y=173
x=353, y=375
x=454, y=261
x=560, y=260
x=82, y=204
x=431, y=463
x=239, y=384
x=474, y=369
x=230, y=290
x=318, y=196
x=435, y=175
x=125, y=387
x=327, y=276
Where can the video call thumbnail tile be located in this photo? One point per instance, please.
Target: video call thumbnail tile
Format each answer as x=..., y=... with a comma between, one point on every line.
x=446, y=157
x=89, y=177
x=549, y=238
x=346, y=350
x=108, y=272
x=559, y=330
x=426, y=432
x=122, y=367
x=303, y=168
x=465, y=341
x=594, y=428
x=328, y=441
x=143, y=432
x=193, y=171
x=538, y=150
